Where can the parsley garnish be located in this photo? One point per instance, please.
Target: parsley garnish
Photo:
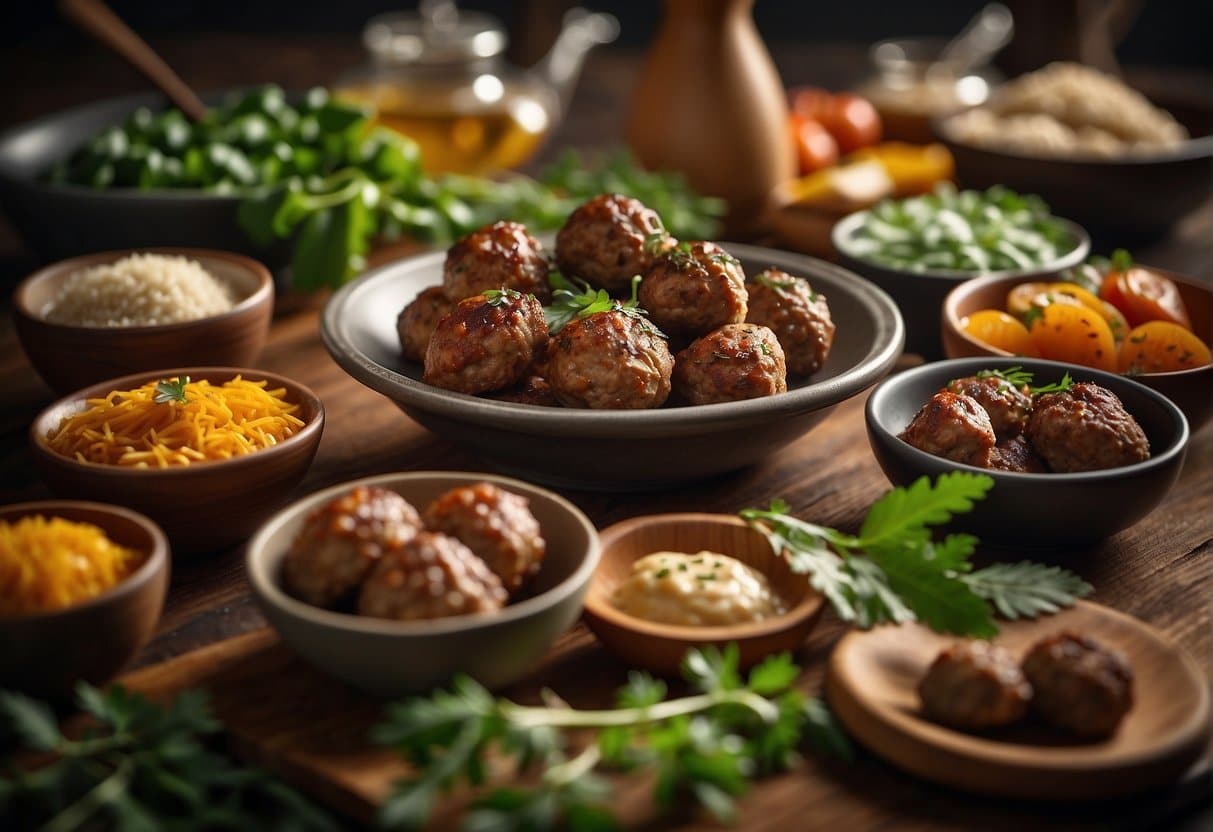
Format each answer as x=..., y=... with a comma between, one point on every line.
x=573, y=298
x=1015, y=376
x=171, y=391
x=706, y=746
x=1033, y=315
x=764, y=278
x=893, y=571
x=499, y=297
x=1057, y=387
x=141, y=766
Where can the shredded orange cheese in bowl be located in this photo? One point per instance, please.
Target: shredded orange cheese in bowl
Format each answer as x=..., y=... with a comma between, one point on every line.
x=48, y=563
x=145, y=428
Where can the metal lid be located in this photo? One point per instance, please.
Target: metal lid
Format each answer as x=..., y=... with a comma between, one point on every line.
x=437, y=34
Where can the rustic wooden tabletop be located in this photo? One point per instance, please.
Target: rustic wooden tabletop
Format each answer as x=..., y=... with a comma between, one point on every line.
x=1160, y=571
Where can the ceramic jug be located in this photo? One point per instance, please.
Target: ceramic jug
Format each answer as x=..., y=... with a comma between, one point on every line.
x=709, y=103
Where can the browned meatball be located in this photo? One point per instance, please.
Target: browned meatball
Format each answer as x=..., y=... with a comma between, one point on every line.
x=533, y=390
x=498, y=527
x=499, y=256
x=799, y=317
x=1085, y=428
x=974, y=685
x=1015, y=454
x=694, y=289
x=341, y=541
x=737, y=361
x=430, y=576
x=416, y=322
x=954, y=427
x=1080, y=685
x=486, y=343
x=610, y=239
x=1009, y=406
x=610, y=360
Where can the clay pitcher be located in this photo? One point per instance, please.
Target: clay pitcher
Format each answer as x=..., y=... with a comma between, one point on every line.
x=710, y=104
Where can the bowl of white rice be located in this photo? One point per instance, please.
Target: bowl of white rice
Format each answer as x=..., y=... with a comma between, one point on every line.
x=100, y=316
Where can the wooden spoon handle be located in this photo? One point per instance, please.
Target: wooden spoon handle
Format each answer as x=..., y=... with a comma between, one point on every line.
x=94, y=17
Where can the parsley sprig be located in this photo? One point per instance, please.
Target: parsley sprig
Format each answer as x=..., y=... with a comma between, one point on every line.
x=894, y=571
x=171, y=391
x=706, y=745
x=1018, y=378
x=574, y=298
x=140, y=768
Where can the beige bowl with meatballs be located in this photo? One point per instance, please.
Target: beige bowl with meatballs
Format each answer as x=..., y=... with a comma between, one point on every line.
x=398, y=582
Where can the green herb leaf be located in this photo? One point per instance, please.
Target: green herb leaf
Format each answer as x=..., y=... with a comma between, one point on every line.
x=1025, y=589
x=171, y=392
x=906, y=513
x=33, y=722
x=773, y=675
x=1016, y=376
x=1057, y=387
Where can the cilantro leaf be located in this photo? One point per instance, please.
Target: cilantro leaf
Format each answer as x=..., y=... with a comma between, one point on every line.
x=171, y=391
x=773, y=675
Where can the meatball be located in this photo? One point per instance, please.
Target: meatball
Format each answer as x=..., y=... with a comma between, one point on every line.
x=799, y=317
x=610, y=239
x=499, y=256
x=496, y=525
x=737, y=361
x=974, y=685
x=533, y=390
x=1015, y=454
x=1009, y=406
x=486, y=343
x=1080, y=685
x=341, y=541
x=416, y=322
x=694, y=289
x=430, y=576
x=1085, y=428
x=954, y=427
x=610, y=360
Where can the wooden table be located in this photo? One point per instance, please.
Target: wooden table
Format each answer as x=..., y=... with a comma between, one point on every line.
x=1160, y=570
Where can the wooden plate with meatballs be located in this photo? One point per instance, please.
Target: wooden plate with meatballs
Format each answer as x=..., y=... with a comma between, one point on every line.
x=1081, y=705
x=648, y=360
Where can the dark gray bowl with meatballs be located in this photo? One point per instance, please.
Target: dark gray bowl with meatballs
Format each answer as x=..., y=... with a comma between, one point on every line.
x=396, y=583
x=1072, y=462
x=714, y=357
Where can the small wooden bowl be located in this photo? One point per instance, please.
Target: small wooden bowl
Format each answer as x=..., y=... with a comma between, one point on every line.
x=70, y=357
x=203, y=506
x=45, y=654
x=1191, y=390
x=872, y=687
x=661, y=647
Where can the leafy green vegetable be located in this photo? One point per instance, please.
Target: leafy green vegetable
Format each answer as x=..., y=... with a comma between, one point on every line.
x=573, y=298
x=143, y=767
x=705, y=746
x=964, y=231
x=315, y=174
x=171, y=391
x=894, y=571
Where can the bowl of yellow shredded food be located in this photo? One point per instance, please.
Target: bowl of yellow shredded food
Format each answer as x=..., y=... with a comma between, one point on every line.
x=81, y=589
x=207, y=452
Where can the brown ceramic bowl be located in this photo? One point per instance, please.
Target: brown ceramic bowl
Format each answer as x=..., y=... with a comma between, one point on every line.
x=1191, y=390
x=661, y=647
x=45, y=654
x=202, y=506
x=390, y=658
x=70, y=357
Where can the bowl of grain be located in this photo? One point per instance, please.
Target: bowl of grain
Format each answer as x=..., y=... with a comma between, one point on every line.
x=104, y=315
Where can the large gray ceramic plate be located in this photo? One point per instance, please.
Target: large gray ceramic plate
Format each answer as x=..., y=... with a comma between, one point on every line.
x=615, y=450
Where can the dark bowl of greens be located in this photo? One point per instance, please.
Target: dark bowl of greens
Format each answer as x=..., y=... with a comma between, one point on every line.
x=615, y=450
x=1037, y=510
x=290, y=178
x=918, y=249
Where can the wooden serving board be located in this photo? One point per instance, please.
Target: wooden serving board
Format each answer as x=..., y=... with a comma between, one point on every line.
x=311, y=730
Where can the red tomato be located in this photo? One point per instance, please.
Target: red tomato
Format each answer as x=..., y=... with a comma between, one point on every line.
x=1145, y=296
x=850, y=119
x=815, y=147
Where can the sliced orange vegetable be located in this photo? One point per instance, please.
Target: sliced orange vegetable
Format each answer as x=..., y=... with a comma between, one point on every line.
x=1143, y=295
x=1019, y=299
x=1162, y=347
x=997, y=329
x=914, y=168
x=1071, y=332
x=1116, y=321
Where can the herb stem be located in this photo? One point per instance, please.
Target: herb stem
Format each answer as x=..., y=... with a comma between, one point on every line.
x=76, y=814
x=572, y=770
x=527, y=717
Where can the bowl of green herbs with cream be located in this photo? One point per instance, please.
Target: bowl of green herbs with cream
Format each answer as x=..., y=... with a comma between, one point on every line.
x=918, y=248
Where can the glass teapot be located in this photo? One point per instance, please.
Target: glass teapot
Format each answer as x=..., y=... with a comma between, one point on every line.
x=438, y=76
